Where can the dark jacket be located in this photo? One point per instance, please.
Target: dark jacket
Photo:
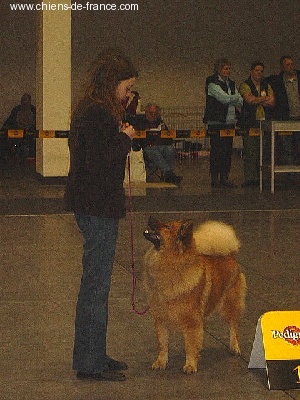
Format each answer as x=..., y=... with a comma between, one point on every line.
x=248, y=113
x=214, y=109
x=281, y=110
x=13, y=123
x=97, y=163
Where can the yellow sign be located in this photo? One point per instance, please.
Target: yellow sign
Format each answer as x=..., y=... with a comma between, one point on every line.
x=46, y=134
x=277, y=349
x=281, y=335
x=227, y=132
x=254, y=132
x=15, y=133
x=168, y=134
x=201, y=133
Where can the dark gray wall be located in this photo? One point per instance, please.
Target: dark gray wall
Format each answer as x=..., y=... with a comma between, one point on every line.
x=17, y=56
x=173, y=42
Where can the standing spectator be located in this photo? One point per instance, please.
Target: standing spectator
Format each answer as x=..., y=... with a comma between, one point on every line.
x=99, y=145
x=222, y=99
x=286, y=88
x=258, y=100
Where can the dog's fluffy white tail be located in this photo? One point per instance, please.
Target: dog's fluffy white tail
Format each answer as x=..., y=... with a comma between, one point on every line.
x=216, y=238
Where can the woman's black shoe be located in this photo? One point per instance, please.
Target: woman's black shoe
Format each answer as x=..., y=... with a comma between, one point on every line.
x=106, y=375
x=115, y=365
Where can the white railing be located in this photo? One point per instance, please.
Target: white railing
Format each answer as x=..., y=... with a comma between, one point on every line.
x=183, y=117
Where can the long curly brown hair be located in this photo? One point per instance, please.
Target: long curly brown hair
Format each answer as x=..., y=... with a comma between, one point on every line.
x=110, y=68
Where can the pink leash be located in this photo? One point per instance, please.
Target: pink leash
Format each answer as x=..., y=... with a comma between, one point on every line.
x=134, y=279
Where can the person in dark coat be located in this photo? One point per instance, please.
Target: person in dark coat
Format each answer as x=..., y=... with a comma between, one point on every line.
x=99, y=145
x=286, y=86
x=23, y=117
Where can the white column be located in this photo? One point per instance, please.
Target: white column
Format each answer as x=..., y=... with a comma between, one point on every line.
x=53, y=97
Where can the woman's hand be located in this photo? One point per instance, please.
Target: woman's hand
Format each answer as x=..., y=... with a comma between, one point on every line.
x=128, y=129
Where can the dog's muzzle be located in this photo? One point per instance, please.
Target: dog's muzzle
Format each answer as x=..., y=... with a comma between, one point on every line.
x=153, y=237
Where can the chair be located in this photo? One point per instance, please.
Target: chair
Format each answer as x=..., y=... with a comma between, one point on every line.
x=152, y=170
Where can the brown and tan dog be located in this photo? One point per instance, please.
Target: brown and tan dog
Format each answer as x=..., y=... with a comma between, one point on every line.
x=187, y=276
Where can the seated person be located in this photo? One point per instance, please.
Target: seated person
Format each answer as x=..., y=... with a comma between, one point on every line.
x=160, y=152
x=23, y=116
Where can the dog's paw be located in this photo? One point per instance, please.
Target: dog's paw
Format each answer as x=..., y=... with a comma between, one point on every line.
x=235, y=351
x=159, y=364
x=189, y=369
x=234, y=347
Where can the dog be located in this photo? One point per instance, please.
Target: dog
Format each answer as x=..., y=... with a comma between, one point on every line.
x=189, y=274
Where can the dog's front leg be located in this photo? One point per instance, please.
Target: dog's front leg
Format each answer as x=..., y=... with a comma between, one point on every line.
x=163, y=344
x=193, y=339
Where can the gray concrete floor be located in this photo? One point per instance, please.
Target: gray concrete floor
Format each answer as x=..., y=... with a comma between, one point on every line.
x=40, y=273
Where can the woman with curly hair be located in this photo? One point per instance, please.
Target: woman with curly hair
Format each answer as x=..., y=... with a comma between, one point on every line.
x=98, y=144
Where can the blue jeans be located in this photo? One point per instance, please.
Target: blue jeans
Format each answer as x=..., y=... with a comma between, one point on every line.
x=162, y=156
x=99, y=244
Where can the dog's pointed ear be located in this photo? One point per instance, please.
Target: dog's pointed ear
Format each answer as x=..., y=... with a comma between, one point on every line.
x=186, y=232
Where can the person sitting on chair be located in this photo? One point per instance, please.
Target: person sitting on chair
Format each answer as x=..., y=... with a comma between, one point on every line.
x=159, y=151
x=23, y=117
